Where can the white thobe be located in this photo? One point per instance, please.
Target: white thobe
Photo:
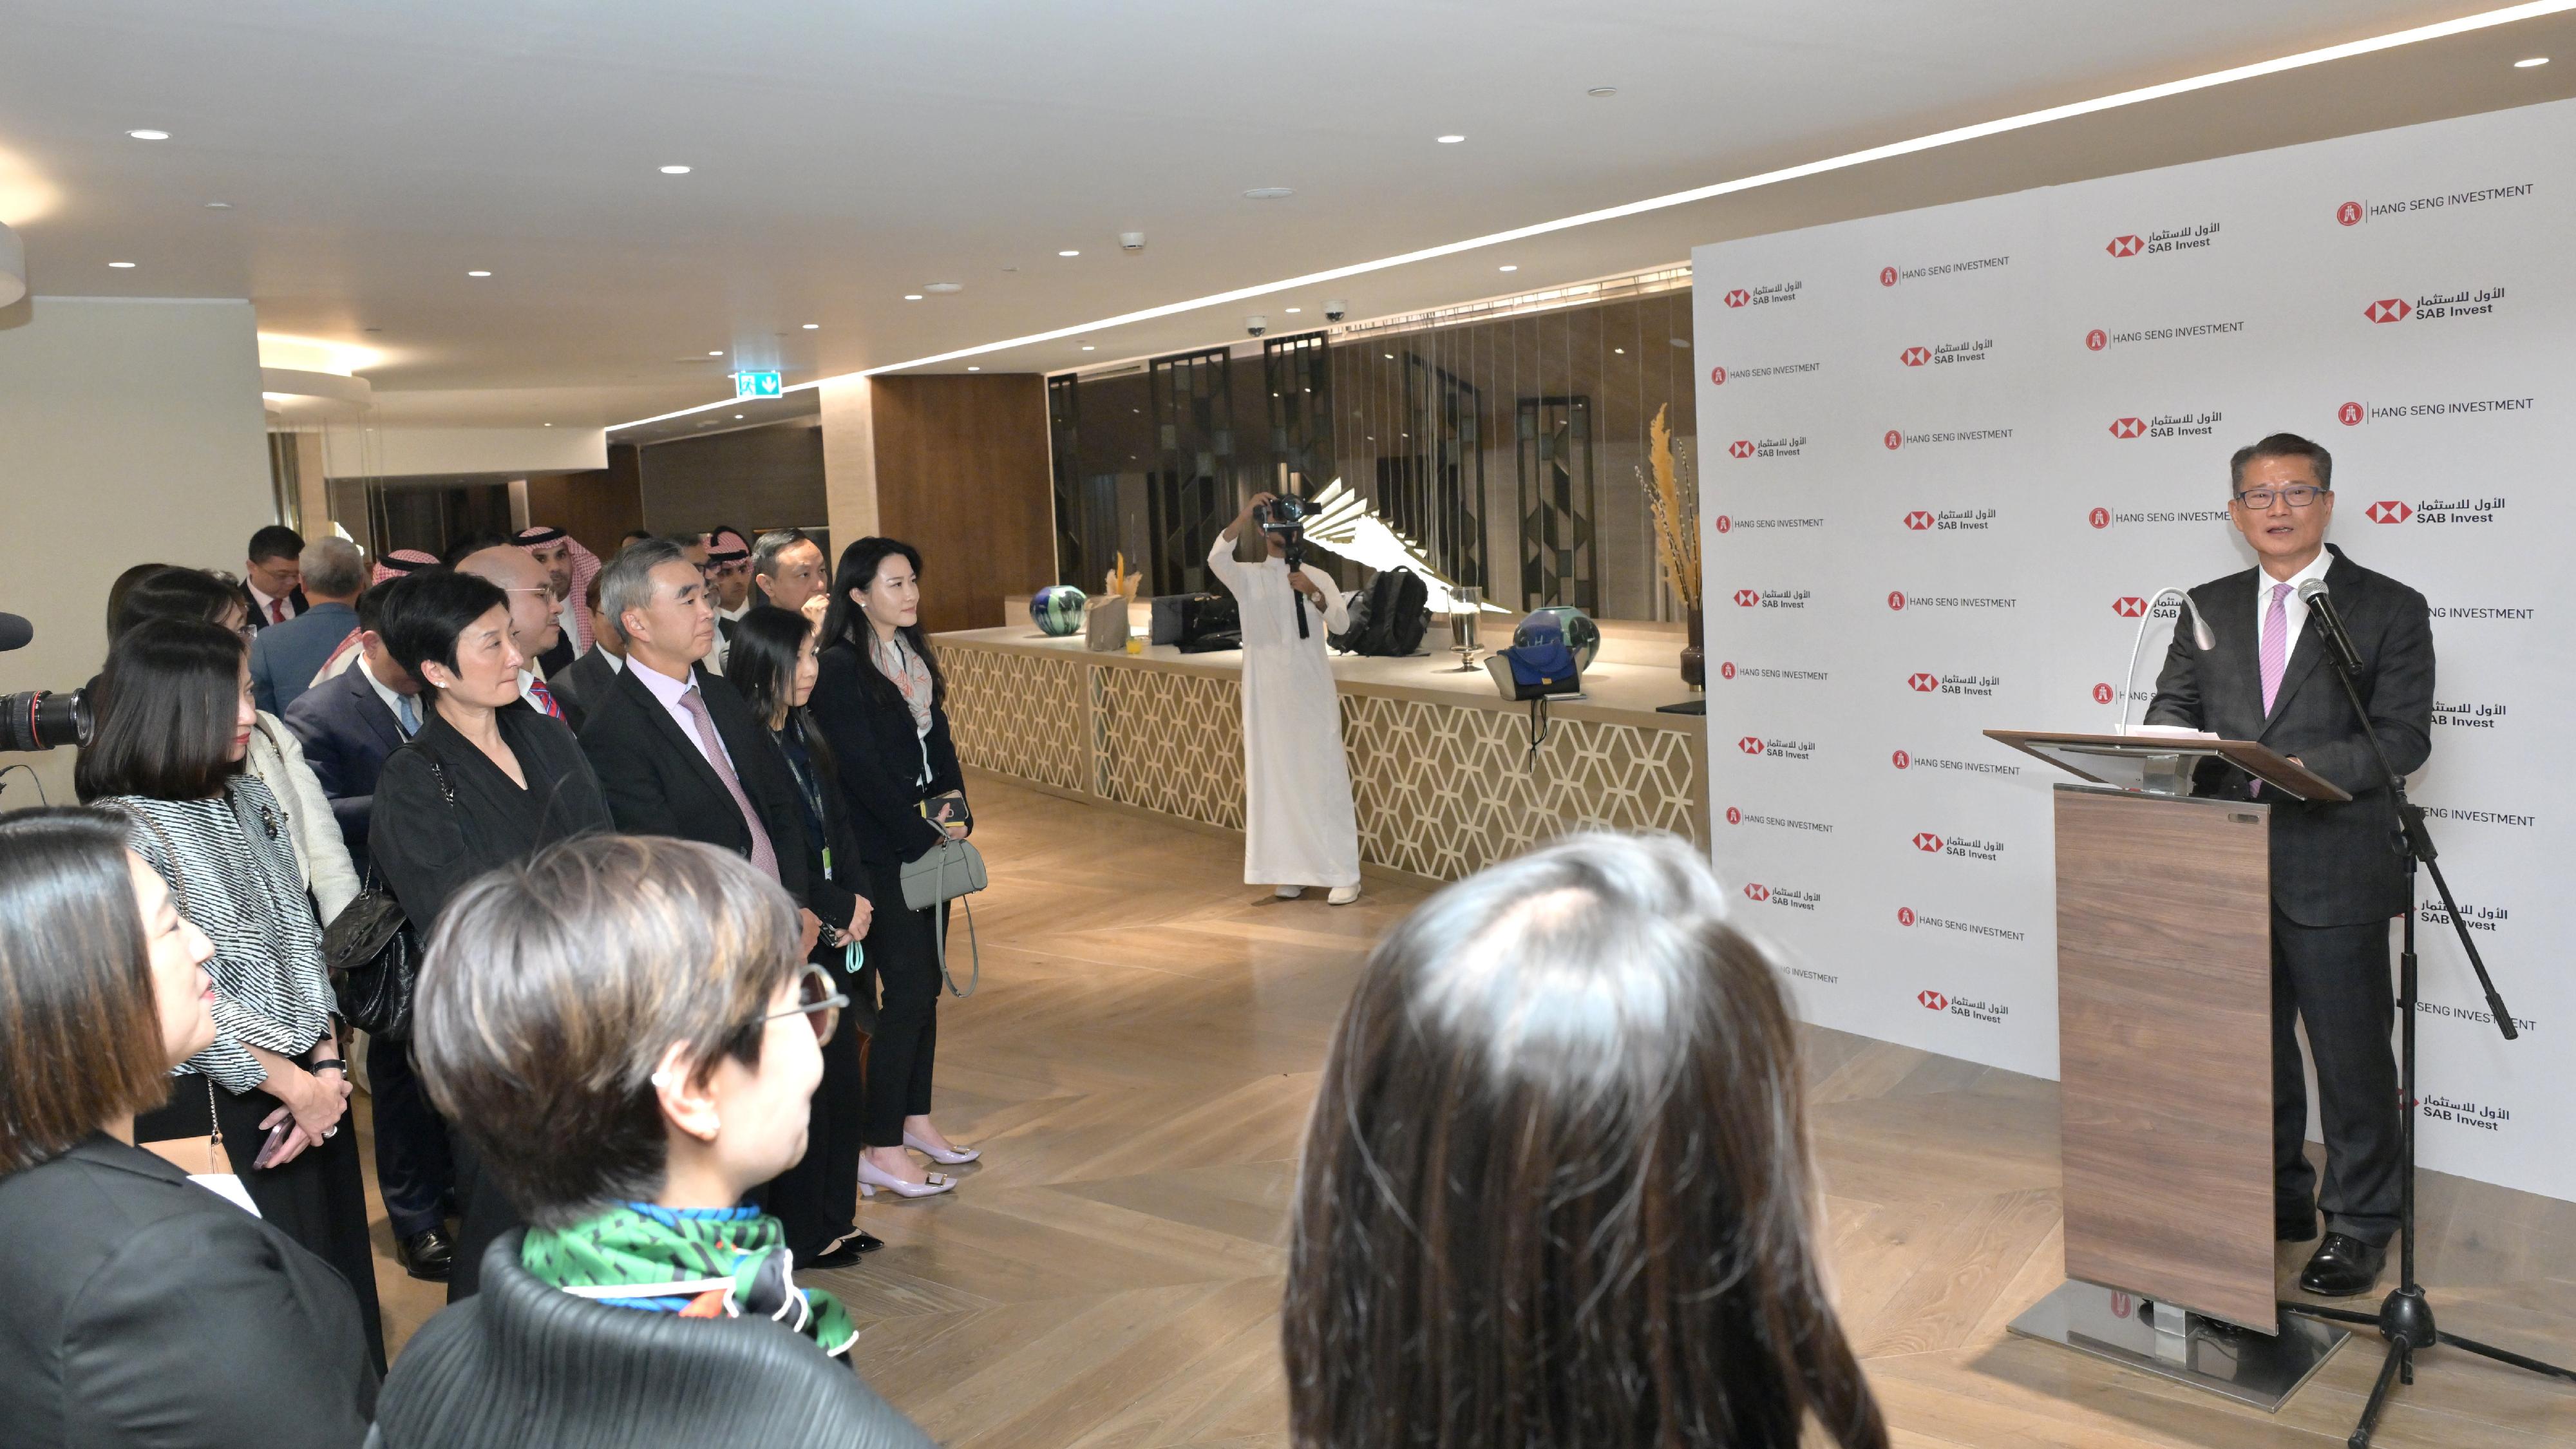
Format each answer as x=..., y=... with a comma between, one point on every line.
x=1298, y=825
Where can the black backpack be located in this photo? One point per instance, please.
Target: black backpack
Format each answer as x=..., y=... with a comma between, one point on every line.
x=1390, y=619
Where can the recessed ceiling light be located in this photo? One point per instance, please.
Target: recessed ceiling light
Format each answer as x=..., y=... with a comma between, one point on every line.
x=715, y=354
x=1390, y=357
x=943, y=288
x=912, y=296
x=1087, y=347
x=737, y=417
x=1602, y=91
x=2528, y=64
x=1293, y=310
x=974, y=369
x=1507, y=267
x=813, y=326
x=478, y=274
x=120, y=264
x=545, y=425
x=149, y=135
x=1449, y=140
x=1068, y=254
x=219, y=206
x=675, y=170
x=1270, y=193
x=1620, y=350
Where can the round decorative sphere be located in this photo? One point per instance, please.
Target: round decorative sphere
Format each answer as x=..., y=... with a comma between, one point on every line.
x=1057, y=609
x=1581, y=634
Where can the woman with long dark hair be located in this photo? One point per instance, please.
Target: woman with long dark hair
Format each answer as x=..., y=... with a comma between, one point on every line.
x=487, y=781
x=773, y=664
x=881, y=705
x=167, y=757
x=1556, y=1187
x=142, y=1308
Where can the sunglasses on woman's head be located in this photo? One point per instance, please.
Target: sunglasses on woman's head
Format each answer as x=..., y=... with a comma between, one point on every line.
x=818, y=1000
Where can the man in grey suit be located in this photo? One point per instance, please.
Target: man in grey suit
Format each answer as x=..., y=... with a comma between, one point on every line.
x=2337, y=872
x=285, y=657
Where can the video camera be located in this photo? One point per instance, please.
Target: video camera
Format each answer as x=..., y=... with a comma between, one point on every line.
x=39, y=719
x=1286, y=514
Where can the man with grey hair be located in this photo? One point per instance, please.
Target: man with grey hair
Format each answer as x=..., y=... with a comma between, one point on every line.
x=285, y=657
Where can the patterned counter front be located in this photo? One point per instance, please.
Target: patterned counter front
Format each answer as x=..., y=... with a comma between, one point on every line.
x=1441, y=769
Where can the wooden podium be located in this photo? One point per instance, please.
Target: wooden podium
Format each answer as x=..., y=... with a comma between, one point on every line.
x=2164, y=1019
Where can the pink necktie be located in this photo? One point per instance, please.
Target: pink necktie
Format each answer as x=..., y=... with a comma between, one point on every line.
x=763, y=855
x=2276, y=645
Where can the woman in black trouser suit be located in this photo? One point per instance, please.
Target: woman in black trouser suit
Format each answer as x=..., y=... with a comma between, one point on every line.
x=879, y=702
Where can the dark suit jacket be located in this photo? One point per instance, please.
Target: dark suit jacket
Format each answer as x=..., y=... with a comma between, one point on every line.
x=872, y=739
x=580, y=685
x=256, y=621
x=347, y=734
x=2332, y=864
x=658, y=783
x=145, y=1309
x=427, y=848
x=285, y=657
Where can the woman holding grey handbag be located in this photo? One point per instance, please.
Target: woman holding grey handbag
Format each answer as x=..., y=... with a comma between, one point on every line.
x=880, y=703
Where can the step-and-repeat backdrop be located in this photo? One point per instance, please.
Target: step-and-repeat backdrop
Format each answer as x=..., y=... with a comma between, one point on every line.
x=1947, y=455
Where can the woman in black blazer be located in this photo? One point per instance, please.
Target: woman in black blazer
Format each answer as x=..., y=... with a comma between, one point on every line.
x=879, y=701
x=486, y=782
x=773, y=664
x=142, y=1306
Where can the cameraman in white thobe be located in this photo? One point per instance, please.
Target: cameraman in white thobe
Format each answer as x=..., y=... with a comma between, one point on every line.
x=1299, y=829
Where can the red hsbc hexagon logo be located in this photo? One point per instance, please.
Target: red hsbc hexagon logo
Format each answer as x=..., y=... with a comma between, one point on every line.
x=1927, y=842
x=1915, y=356
x=1923, y=683
x=1724, y=524
x=2097, y=339
x=2388, y=309
x=1717, y=376
x=1738, y=297
x=1753, y=892
x=2131, y=607
x=1734, y=816
x=2126, y=246
x=1740, y=448
x=2128, y=427
x=1905, y=915
x=1887, y=276
x=1750, y=744
x=2103, y=694
x=1918, y=520
x=1726, y=670
x=1933, y=1000
x=1746, y=598
x=1894, y=440
x=2099, y=518
x=2389, y=510
x=1901, y=760
x=2351, y=414
x=2349, y=213
x=1895, y=600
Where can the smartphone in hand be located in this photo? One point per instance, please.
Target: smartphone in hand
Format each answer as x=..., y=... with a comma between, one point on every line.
x=276, y=1140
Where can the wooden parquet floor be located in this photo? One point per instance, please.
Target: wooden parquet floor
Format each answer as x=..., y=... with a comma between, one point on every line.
x=1138, y=1066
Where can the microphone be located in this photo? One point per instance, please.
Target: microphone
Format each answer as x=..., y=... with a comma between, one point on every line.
x=15, y=631
x=2321, y=608
x=2200, y=636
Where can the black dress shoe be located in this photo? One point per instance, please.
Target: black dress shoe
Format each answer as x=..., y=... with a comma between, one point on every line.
x=427, y=1254
x=2295, y=1230
x=845, y=1253
x=2344, y=1267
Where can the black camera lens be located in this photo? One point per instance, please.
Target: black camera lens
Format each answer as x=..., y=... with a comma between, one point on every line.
x=39, y=719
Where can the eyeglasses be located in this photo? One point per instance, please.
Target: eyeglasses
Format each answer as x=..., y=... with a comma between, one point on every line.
x=2297, y=495
x=818, y=1001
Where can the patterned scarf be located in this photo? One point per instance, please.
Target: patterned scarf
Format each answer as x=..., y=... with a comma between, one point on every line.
x=897, y=661
x=695, y=1262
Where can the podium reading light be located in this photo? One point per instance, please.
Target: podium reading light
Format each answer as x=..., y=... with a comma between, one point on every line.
x=2200, y=635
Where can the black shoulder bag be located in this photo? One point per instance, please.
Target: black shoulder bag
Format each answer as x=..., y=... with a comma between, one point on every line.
x=373, y=951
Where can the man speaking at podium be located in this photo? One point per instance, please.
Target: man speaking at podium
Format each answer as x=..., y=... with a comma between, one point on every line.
x=2337, y=875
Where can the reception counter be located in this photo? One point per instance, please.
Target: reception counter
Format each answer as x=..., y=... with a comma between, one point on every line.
x=1441, y=766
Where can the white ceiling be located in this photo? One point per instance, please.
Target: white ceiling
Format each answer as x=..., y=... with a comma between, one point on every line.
x=373, y=151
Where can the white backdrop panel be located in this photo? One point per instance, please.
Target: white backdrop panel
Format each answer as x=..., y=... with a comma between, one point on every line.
x=1947, y=451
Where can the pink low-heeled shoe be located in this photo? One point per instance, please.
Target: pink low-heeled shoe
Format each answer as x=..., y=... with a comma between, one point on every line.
x=952, y=1156
x=872, y=1177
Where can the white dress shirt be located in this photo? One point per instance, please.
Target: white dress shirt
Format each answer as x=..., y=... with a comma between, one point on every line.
x=394, y=702
x=267, y=606
x=669, y=691
x=2296, y=607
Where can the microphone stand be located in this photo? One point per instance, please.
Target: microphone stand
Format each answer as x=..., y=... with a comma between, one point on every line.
x=2405, y=1317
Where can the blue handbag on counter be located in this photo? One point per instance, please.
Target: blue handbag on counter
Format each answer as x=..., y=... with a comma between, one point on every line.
x=1537, y=667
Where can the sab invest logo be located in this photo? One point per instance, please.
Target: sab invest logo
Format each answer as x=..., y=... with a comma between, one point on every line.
x=2388, y=309
x=1738, y=297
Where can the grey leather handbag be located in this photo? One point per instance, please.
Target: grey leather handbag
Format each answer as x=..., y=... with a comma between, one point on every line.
x=946, y=872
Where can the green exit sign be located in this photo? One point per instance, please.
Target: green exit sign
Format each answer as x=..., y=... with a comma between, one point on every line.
x=755, y=384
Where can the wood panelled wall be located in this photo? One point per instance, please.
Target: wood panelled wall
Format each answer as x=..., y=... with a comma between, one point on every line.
x=962, y=476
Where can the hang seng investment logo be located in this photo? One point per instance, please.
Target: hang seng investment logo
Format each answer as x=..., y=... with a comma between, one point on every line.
x=1887, y=276
x=2350, y=213
x=1717, y=377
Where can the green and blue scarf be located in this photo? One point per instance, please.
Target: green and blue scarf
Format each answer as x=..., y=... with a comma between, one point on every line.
x=695, y=1262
